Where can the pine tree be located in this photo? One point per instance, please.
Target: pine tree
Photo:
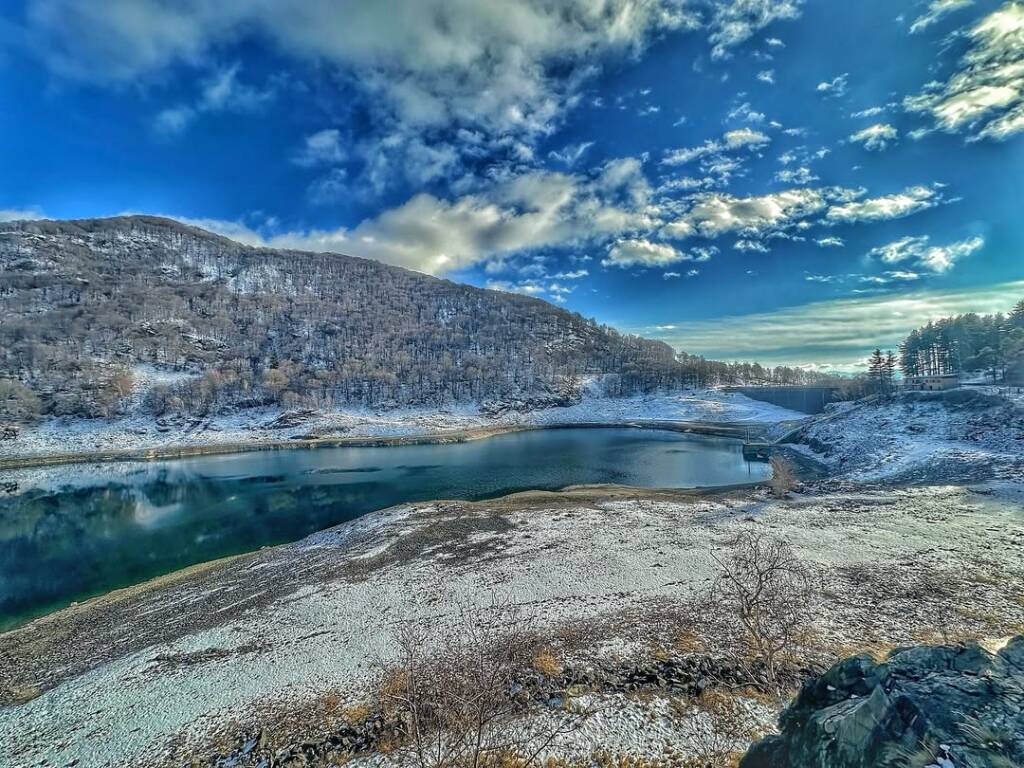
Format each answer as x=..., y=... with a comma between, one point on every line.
x=876, y=370
x=1016, y=318
x=890, y=370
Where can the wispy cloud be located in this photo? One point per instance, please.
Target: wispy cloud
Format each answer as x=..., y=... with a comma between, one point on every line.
x=936, y=10
x=836, y=87
x=895, y=206
x=933, y=258
x=837, y=333
x=18, y=214
x=985, y=96
x=875, y=137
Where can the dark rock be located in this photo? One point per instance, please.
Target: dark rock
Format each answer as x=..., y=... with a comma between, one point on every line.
x=528, y=403
x=956, y=703
x=290, y=419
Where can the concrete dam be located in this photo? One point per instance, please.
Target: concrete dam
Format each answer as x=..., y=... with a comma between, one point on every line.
x=803, y=399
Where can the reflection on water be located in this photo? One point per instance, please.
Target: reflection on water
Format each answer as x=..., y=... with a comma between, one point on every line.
x=72, y=532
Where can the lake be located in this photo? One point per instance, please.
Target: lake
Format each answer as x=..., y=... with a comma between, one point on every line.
x=71, y=532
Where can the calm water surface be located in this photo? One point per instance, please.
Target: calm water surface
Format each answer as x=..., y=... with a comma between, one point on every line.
x=75, y=531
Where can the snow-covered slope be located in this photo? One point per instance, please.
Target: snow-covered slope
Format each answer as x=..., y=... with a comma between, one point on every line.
x=256, y=425
x=957, y=436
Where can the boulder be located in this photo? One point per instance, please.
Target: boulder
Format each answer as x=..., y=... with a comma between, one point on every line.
x=943, y=707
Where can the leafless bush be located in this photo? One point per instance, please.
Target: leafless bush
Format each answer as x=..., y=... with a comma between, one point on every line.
x=466, y=700
x=763, y=598
x=783, y=479
x=719, y=737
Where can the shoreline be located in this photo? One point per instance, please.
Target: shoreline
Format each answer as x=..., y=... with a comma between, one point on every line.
x=210, y=646
x=736, y=430
x=807, y=470
x=571, y=494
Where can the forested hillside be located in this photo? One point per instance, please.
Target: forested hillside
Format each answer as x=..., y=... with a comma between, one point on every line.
x=968, y=342
x=83, y=303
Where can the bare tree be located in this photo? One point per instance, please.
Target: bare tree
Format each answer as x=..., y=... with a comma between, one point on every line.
x=783, y=479
x=468, y=698
x=764, y=596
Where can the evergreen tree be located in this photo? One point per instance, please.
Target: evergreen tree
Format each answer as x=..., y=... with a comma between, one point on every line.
x=1016, y=318
x=890, y=371
x=876, y=371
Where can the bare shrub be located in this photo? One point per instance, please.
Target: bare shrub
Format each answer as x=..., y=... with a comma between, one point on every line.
x=465, y=699
x=783, y=479
x=763, y=598
x=17, y=402
x=719, y=737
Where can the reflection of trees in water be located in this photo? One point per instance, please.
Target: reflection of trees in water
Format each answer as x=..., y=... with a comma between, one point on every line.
x=59, y=545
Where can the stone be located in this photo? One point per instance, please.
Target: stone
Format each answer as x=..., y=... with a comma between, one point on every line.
x=959, y=704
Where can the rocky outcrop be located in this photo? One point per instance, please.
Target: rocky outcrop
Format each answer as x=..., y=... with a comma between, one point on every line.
x=945, y=707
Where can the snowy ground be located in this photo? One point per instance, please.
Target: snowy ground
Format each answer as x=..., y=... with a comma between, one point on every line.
x=957, y=436
x=57, y=436
x=140, y=676
x=144, y=675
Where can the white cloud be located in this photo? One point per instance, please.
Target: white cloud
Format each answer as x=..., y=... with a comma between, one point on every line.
x=801, y=176
x=869, y=112
x=507, y=68
x=221, y=91
x=321, y=148
x=434, y=235
x=767, y=76
x=526, y=288
x=899, y=250
x=642, y=253
x=685, y=155
x=174, y=120
x=571, y=153
x=746, y=137
x=735, y=21
x=718, y=161
x=746, y=114
x=751, y=246
x=875, y=137
x=985, y=96
x=936, y=258
x=830, y=242
x=910, y=200
x=936, y=10
x=713, y=214
x=224, y=90
x=19, y=214
x=329, y=188
x=839, y=332
x=836, y=86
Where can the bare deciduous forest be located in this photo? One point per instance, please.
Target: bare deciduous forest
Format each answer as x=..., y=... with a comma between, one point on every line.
x=85, y=302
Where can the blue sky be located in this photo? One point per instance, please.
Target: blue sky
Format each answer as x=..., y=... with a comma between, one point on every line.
x=778, y=180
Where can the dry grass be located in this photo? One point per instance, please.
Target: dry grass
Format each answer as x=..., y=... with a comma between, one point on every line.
x=689, y=641
x=356, y=714
x=546, y=663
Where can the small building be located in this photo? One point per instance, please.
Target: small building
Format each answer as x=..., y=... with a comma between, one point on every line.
x=936, y=383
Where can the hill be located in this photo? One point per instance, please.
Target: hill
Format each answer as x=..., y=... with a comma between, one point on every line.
x=84, y=303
